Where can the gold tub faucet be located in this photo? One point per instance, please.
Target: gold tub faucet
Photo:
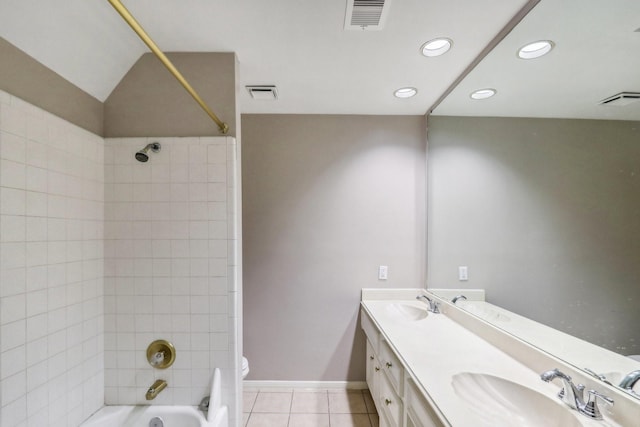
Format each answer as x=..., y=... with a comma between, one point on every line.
x=155, y=389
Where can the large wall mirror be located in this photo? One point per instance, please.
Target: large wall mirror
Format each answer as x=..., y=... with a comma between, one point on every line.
x=536, y=189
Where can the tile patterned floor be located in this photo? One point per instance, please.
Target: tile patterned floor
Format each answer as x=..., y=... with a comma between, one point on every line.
x=308, y=408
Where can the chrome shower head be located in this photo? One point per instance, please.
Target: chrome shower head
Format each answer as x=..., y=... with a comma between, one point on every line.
x=142, y=155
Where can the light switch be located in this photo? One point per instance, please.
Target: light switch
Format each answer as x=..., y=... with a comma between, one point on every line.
x=383, y=272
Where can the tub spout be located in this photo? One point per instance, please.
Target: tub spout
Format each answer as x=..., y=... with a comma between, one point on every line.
x=155, y=389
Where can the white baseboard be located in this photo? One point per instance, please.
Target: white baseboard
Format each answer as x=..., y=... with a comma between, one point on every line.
x=308, y=385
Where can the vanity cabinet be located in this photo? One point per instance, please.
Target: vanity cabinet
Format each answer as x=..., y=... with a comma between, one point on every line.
x=419, y=412
x=391, y=366
x=390, y=403
x=373, y=373
x=398, y=400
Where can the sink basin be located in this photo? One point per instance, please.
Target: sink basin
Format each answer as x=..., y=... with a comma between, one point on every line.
x=406, y=311
x=498, y=402
x=483, y=311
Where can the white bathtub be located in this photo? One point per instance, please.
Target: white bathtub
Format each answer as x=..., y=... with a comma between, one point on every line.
x=140, y=416
x=172, y=416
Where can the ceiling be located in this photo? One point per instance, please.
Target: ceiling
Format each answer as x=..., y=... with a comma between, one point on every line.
x=300, y=46
x=596, y=55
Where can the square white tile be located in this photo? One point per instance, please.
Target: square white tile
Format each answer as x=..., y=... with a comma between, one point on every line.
x=273, y=402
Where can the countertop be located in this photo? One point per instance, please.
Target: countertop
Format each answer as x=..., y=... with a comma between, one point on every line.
x=436, y=348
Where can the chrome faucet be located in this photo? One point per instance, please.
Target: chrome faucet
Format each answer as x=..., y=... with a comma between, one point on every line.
x=630, y=380
x=433, y=305
x=601, y=377
x=570, y=394
x=458, y=298
x=204, y=404
x=573, y=395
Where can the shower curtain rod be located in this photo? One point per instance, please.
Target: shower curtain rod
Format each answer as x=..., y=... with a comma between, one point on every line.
x=119, y=7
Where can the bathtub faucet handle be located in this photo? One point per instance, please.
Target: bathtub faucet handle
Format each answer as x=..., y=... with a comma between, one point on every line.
x=157, y=358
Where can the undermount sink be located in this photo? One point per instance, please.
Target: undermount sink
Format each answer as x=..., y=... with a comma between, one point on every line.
x=482, y=311
x=498, y=402
x=406, y=311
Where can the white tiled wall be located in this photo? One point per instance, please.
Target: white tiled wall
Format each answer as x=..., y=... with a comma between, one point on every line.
x=51, y=268
x=100, y=255
x=170, y=267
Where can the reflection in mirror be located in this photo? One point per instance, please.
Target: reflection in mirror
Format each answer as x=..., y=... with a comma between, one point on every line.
x=597, y=361
x=537, y=189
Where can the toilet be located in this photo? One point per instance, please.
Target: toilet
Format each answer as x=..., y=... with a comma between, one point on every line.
x=634, y=357
x=245, y=367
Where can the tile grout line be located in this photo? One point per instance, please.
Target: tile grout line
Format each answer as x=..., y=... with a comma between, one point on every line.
x=329, y=412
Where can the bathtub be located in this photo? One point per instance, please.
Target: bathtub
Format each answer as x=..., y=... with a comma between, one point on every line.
x=140, y=416
x=170, y=416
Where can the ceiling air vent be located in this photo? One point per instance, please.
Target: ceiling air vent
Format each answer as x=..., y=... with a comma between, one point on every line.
x=621, y=99
x=263, y=93
x=366, y=15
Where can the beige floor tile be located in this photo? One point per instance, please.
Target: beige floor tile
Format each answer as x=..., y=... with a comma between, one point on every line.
x=310, y=402
x=349, y=420
x=375, y=420
x=272, y=403
x=245, y=419
x=368, y=400
x=248, y=399
x=309, y=420
x=268, y=420
x=347, y=403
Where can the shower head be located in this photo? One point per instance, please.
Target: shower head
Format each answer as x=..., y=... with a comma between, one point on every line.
x=142, y=155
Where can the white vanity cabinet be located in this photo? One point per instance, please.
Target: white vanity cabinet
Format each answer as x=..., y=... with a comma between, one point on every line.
x=398, y=400
x=419, y=411
x=373, y=373
x=390, y=403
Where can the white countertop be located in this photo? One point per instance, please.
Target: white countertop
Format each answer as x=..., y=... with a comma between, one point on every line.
x=436, y=348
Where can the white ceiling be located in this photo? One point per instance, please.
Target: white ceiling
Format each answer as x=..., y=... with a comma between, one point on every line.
x=300, y=46
x=597, y=54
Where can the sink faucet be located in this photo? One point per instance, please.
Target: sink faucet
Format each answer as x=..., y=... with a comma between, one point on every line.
x=573, y=395
x=433, y=305
x=155, y=389
x=629, y=381
x=570, y=394
x=458, y=298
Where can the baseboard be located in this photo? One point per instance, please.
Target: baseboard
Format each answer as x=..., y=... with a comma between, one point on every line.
x=308, y=385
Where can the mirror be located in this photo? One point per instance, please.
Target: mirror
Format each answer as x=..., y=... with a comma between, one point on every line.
x=537, y=189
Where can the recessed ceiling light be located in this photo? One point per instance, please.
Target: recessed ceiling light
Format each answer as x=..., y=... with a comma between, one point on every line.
x=535, y=49
x=405, y=92
x=436, y=47
x=483, y=93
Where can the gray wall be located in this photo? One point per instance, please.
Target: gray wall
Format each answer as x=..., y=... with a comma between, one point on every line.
x=546, y=215
x=149, y=101
x=326, y=199
x=24, y=77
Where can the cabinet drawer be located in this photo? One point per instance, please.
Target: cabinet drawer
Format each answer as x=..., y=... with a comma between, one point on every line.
x=370, y=329
x=392, y=366
x=390, y=402
x=373, y=374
